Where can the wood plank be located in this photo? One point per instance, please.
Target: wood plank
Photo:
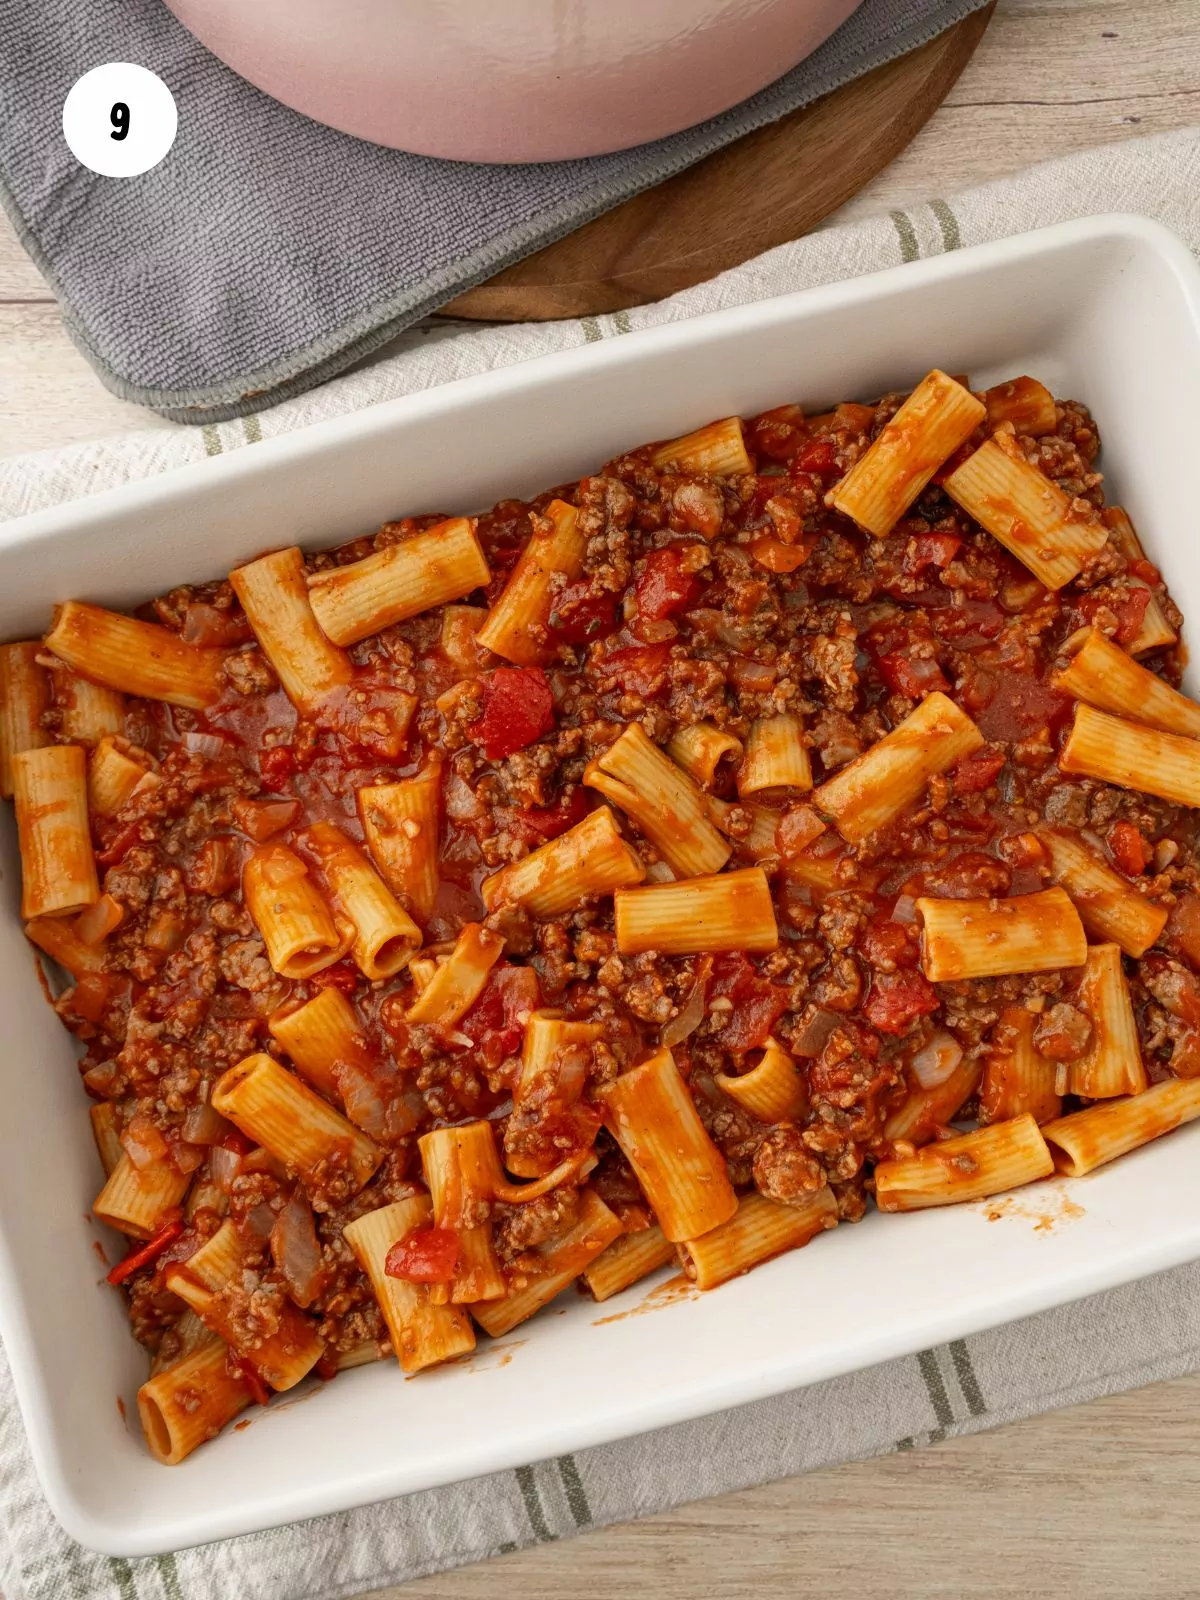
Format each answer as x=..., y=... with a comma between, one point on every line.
x=1095, y=1500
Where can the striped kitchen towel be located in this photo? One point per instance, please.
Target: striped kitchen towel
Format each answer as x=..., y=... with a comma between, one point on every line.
x=1130, y=1336
x=1159, y=177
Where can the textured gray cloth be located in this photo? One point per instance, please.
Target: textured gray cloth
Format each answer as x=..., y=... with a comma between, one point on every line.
x=267, y=253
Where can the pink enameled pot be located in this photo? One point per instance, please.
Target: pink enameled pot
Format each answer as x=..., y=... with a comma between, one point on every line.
x=511, y=80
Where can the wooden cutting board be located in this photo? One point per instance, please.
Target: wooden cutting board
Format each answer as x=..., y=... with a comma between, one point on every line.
x=771, y=186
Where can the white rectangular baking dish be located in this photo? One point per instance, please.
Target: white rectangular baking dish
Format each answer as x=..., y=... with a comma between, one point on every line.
x=1106, y=310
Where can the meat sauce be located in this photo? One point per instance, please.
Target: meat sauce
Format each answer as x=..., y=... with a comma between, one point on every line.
x=701, y=599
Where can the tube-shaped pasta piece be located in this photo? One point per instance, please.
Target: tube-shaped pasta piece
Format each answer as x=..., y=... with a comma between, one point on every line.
x=116, y=771
x=1024, y=402
x=885, y=780
x=300, y=1129
x=918, y=1117
x=553, y=1049
x=772, y=1091
x=136, y=1199
x=1109, y=907
x=631, y=1257
x=664, y=802
x=1029, y=515
x=560, y=1261
x=189, y=1403
x=589, y=859
x=776, y=756
x=1103, y=674
x=459, y=981
x=108, y=1140
x=58, y=869
x=460, y=1166
x=1155, y=632
x=1132, y=756
x=988, y=938
x=219, y=1259
x=718, y=450
x=274, y=595
x=700, y=748
x=281, y=1358
x=726, y=911
x=138, y=658
x=417, y=574
x=1016, y=1077
x=385, y=936
x=24, y=696
x=88, y=712
x=970, y=1167
x=938, y=416
x=516, y=624
x=759, y=1229
x=400, y=825
x=1113, y=1063
x=57, y=938
x=651, y=1115
x=362, y=1355
x=1101, y=1133
x=421, y=1332
x=321, y=1035
x=297, y=926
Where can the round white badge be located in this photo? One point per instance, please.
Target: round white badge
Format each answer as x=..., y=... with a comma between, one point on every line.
x=119, y=120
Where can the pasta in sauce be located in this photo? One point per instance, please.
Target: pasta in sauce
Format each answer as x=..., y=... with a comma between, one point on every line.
x=656, y=871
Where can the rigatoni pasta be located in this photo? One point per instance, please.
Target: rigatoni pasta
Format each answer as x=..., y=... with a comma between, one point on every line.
x=666, y=805
x=988, y=938
x=887, y=778
x=938, y=416
x=398, y=581
x=1029, y=515
x=139, y=658
x=643, y=876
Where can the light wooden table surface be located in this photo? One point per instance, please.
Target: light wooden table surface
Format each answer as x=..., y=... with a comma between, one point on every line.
x=1093, y=1501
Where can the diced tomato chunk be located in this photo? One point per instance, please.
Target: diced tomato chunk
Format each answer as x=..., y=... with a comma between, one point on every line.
x=820, y=456
x=912, y=675
x=1127, y=604
x=539, y=823
x=1127, y=848
x=428, y=1255
x=495, y=1023
x=930, y=550
x=897, y=999
x=758, y=1004
x=517, y=709
x=890, y=944
x=341, y=975
x=777, y=434
x=639, y=669
x=663, y=586
x=277, y=765
x=579, y=616
x=977, y=771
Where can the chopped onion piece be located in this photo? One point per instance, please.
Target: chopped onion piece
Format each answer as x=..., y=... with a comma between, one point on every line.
x=204, y=744
x=905, y=909
x=689, y=1019
x=934, y=1062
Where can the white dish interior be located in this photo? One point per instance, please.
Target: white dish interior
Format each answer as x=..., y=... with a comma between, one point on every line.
x=1106, y=311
